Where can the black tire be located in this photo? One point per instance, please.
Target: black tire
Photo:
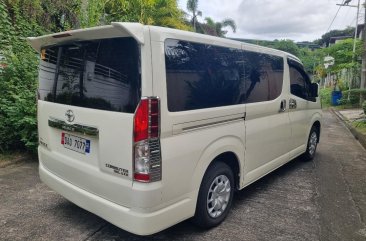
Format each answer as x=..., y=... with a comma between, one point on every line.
x=310, y=148
x=216, y=172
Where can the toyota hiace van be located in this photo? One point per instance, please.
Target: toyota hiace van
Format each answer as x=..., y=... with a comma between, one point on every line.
x=148, y=126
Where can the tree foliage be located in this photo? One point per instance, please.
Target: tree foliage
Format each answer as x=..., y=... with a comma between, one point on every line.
x=342, y=52
x=153, y=12
x=18, y=126
x=18, y=80
x=23, y=18
x=210, y=26
x=287, y=46
x=192, y=6
x=213, y=28
x=324, y=40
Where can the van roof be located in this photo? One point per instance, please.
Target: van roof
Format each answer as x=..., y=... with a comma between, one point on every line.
x=116, y=29
x=135, y=30
x=214, y=39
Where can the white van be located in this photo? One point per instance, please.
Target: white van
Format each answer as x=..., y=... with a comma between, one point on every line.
x=148, y=126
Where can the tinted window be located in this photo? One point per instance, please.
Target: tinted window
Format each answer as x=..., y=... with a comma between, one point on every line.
x=263, y=76
x=299, y=81
x=202, y=76
x=101, y=74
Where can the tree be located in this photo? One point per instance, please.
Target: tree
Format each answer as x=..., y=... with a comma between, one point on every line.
x=216, y=28
x=23, y=18
x=18, y=126
x=6, y=29
x=92, y=13
x=154, y=12
x=342, y=52
x=324, y=40
x=287, y=46
x=309, y=59
x=192, y=7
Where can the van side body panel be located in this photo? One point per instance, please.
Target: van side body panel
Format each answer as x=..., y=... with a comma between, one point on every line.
x=268, y=131
x=191, y=139
x=302, y=118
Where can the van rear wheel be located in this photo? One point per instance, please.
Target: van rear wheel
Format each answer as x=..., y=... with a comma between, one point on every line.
x=215, y=196
x=312, y=144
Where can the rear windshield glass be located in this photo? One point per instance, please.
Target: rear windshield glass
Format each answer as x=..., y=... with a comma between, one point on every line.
x=99, y=74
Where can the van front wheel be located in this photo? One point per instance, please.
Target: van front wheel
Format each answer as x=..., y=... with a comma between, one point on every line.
x=215, y=196
x=312, y=144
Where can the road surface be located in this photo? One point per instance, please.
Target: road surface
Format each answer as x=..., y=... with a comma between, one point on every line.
x=320, y=200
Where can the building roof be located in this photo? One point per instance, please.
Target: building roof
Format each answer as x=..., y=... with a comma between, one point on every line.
x=333, y=40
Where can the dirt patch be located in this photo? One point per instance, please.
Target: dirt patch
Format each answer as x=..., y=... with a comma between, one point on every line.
x=15, y=158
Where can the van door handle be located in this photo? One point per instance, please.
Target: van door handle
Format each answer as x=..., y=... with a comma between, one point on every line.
x=283, y=106
x=292, y=104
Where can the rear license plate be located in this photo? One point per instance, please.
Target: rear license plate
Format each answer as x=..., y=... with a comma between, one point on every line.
x=75, y=143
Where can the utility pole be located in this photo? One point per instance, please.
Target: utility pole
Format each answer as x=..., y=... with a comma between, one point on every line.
x=363, y=66
x=354, y=50
x=346, y=4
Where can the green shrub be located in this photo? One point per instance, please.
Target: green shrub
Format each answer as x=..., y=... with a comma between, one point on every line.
x=18, y=125
x=325, y=97
x=354, y=100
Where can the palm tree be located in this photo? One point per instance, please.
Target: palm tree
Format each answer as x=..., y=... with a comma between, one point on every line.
x=192, y=7
x=216, y=28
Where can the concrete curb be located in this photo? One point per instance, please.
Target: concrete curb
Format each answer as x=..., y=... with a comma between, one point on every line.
x=358, y=135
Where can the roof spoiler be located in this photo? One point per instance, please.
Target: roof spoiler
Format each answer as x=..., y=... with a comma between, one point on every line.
x=116, y=29
x=134, y=29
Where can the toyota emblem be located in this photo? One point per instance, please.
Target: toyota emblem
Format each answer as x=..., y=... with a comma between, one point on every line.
x=70, y=115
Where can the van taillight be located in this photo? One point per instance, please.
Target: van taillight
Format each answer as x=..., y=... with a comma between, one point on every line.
x=141, y=122
x=147, y=156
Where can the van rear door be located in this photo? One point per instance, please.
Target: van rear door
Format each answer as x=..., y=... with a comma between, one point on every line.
x=89, y=88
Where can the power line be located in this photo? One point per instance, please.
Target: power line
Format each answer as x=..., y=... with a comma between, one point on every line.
x=345, y=16
x=354, y=19
x=335, y=16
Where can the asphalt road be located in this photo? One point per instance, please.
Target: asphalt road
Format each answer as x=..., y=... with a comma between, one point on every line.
x=320, y=200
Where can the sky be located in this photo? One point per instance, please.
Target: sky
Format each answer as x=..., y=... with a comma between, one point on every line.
x=298, y=20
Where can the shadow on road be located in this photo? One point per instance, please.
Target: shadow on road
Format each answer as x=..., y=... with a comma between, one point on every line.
x=186, y=230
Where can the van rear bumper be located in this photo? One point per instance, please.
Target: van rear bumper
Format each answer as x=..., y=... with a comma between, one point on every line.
x=140, y=223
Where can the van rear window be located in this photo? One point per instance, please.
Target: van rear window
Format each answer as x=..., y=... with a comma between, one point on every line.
x=100, y=74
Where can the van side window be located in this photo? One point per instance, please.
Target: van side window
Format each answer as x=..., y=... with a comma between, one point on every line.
x=263, y=76
x=202, y=76
x=299, y=81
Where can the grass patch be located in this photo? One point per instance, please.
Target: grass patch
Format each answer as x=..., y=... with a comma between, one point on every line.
x=360, y=125
x=4, y=157
x=9, y=158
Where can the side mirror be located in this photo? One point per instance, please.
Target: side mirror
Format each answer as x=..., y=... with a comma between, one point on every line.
x=314, y=90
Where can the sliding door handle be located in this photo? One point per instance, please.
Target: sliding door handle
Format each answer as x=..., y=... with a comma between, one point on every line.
x=283, y=106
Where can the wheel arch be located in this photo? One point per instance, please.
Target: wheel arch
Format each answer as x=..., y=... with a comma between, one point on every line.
x=229, y=150
x=315, y=121
x=230, y=159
